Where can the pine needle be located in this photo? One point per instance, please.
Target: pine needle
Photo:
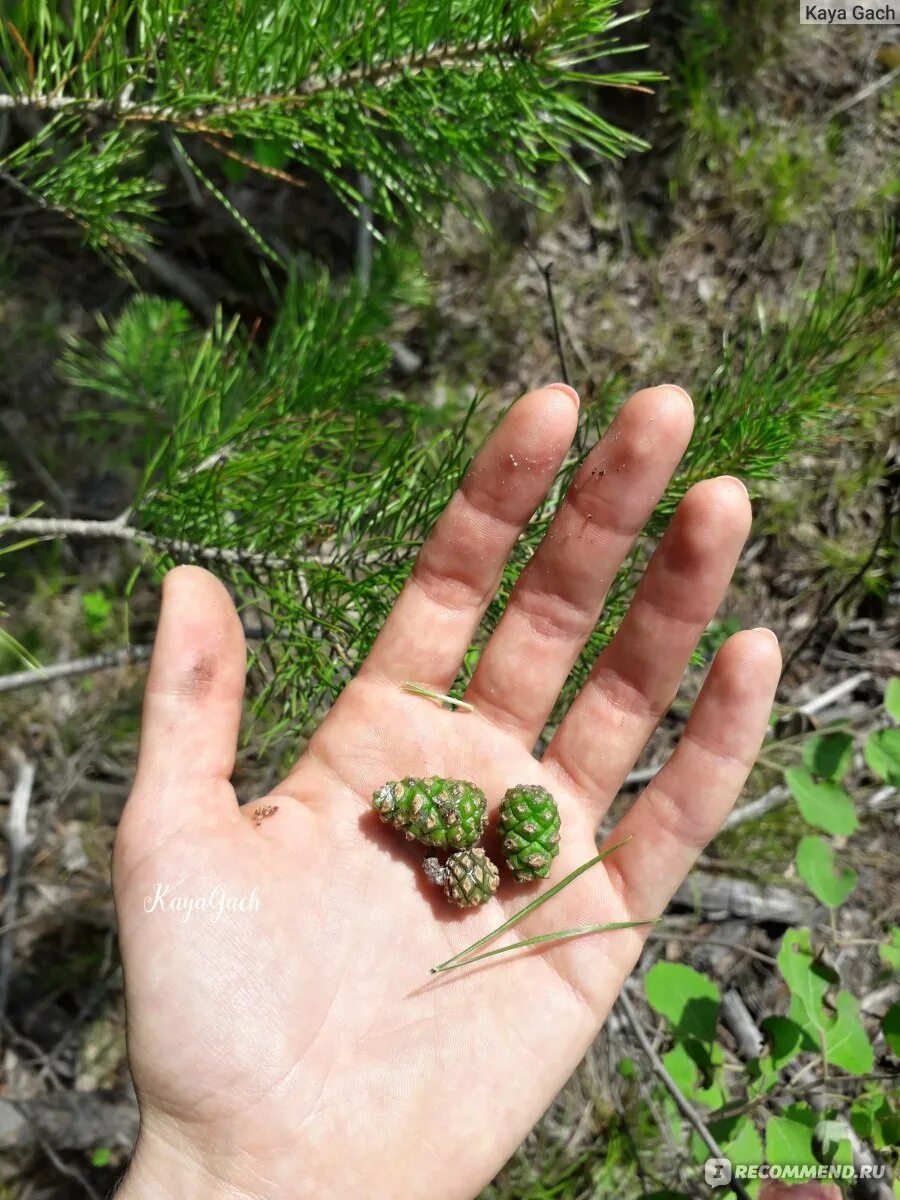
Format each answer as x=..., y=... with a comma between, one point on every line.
x=530, y=908
x=422, y=689
x=544, y=937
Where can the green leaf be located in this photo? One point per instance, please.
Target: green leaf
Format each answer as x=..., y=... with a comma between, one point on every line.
x=824, y=805
x=891, y=1028
x=882, y=753
x=876, y=1119
x=892, y=697
x=817, y=868
x=840, y=1038
x=828, y=755
x=745, y=1145
x=272, y=152
x=97, y=608
x=785, y=1038
x=831, y=1142
x=700, y=1081
x=789, y=1138
x=626, y=1068
x=846, y=1041
x=688, y=1000
x=806, y=978
x=890, y=951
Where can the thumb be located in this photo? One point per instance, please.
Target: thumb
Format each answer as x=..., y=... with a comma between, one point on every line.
x=192, y=704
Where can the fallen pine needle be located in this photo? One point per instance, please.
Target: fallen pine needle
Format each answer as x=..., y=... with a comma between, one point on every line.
x=541, y=939
x=422, y=689
x=529, y=908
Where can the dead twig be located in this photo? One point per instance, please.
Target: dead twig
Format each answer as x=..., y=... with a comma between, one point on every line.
x=17, y=847
x=887, y=523
x=863, y=94
x=547, y=270
x=685, y=1107
x=107, y=660
x=77, y=666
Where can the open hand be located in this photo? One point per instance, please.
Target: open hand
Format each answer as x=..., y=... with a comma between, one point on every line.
x=300, y=1048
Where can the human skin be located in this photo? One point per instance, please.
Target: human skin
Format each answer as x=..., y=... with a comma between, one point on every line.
x=303, y=1050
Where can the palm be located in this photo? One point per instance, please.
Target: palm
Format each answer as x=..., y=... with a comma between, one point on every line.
x=265, y=1037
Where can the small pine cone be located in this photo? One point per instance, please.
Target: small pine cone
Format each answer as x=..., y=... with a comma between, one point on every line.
x=439, y=812
x=528, y=825
x=468, y=878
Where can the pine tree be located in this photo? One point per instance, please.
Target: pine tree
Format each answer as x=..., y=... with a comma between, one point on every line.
x=422, y=98
x=285, y=463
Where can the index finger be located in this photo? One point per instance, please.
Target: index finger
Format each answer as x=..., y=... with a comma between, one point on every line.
x=460, y=565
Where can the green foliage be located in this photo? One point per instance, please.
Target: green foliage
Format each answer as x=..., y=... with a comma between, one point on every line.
x=100, y=186
x=789, y=1137
x=882, y=751
x=823, y=1029
x=690, y=1003
x=776, y=387
x=282, y=462
x=818, y=868
x=97, y=607
x=828, y=755
x=891, y=1028
x=876, y=1117
x=720, y=43
x=421, y=97
x=835, y=1030
x=825, y=805
x=890, y=951
x=285, y=463
x=688, y=1000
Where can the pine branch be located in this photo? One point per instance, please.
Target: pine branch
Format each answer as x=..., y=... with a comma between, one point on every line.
x=376, y=74
x=414, y=97
x=481, y=56
x=262, y=458
x=58, y=527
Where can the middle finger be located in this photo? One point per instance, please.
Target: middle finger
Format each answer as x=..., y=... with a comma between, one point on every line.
x=559, y=595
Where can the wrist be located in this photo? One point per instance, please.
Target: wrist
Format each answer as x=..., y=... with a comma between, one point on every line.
x=163, y=1169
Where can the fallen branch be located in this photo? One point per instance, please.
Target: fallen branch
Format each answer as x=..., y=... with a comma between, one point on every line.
x=736, y=1017
x=77, y=666
x=774, y=798
x=17, y=843
x=718, y=897
x=69, y=1121
x=108, y=659
x=684, y=1105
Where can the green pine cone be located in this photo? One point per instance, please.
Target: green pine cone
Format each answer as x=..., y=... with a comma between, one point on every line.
x=438, y=812
x=468, y=878
x=528, y=825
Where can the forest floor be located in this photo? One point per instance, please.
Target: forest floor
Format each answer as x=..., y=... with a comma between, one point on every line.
x=774, y=152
